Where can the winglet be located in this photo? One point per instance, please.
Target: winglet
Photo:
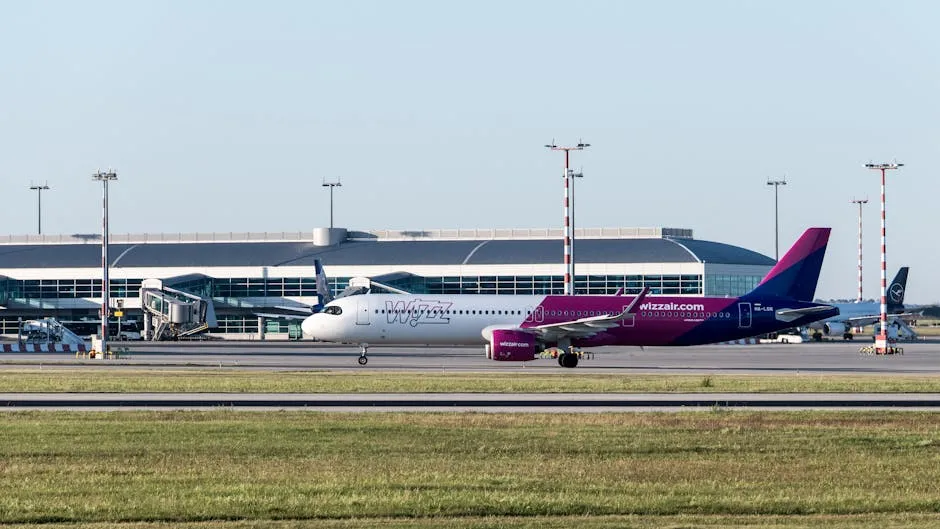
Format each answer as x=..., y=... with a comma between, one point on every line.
x=635, y=304
x=796, y=274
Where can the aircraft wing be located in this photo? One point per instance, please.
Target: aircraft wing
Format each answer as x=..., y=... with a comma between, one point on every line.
x=588, y=326
x=283, y=316
x=862, y=321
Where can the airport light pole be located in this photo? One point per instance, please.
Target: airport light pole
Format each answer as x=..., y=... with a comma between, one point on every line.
x=104, y=178
x=881, y=341
x=331, y=185
x=569, y=232
x=860, y=202
x=39, y=189
x=776, y=184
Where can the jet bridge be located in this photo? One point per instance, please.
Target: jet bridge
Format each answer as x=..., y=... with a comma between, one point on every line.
x=171, y=314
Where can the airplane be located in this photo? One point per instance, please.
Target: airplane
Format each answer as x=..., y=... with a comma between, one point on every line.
x=853, y=315
x=323, y=293
x=521, y=327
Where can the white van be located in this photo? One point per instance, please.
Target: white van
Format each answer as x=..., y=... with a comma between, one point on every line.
x=784, y=338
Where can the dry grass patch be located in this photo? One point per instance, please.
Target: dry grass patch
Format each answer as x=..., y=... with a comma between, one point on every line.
x=241, y=381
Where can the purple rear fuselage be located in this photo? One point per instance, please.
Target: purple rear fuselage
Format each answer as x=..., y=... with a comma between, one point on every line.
x=663, y=320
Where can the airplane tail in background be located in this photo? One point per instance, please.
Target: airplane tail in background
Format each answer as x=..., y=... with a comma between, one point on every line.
x=797, y=272
x=896, y=290
x=323, y=287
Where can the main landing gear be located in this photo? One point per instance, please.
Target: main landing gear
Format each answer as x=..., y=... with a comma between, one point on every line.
x=568, y=360
x=363, y=351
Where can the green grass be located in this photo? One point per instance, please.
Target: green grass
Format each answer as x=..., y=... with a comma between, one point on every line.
x=877, y=521
x=235, y=380
x=291, y=469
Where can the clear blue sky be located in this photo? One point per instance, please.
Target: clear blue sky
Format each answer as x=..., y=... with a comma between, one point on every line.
x=226, y=116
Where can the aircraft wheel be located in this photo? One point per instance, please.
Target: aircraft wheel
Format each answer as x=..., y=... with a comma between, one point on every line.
x=363, y=360
x=568, y=360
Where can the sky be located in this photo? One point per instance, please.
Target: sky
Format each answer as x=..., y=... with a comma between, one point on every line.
x=224, y=116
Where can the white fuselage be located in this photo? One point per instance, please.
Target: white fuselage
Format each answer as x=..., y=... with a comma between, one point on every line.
x=439, y=319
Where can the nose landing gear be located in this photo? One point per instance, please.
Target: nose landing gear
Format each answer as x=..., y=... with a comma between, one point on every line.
x=363, y=351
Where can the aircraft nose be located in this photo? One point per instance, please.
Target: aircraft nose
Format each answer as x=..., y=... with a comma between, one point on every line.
x=308, y=327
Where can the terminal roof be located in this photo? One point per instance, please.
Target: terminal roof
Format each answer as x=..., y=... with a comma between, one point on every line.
x=378, y=252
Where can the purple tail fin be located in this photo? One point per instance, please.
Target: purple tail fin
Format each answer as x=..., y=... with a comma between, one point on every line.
x=796, y=274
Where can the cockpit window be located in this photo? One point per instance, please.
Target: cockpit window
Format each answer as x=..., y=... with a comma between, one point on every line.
x=333, y=309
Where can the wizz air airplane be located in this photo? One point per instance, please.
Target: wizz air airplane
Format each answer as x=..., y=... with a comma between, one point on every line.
x=853, y=315
x=520, y=327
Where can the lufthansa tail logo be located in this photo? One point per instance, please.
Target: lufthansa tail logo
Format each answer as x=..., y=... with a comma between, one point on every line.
x=896, y=292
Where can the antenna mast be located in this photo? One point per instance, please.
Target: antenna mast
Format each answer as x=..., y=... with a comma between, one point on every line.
x=568, y=213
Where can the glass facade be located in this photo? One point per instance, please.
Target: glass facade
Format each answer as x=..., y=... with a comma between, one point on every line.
x=236, y=324
x=6, y=288
x=730, y=285
x=9, y=326
x=70, y=288
x=687, y=285
x=548, y=284
x=669, y=285
x=201, y=286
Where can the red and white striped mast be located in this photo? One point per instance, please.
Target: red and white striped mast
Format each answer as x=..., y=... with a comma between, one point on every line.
x=881, y=341
x=860, y=202
x=569, y=228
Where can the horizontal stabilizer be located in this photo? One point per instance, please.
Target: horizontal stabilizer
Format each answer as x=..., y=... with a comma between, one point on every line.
x=793, y=314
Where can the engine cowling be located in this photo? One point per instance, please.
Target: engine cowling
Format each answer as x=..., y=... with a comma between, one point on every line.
x=834, y=329
x=513, y=346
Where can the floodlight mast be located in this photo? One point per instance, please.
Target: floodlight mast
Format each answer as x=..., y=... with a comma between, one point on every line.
x=331, y=185
x=860, y=202
x=881, y=341
x=104, y=178
x=776, y=184
x=39, y=189
x=568, y=214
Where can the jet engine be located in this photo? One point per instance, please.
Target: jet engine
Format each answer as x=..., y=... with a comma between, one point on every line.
x=509, y=345
x=835, y=329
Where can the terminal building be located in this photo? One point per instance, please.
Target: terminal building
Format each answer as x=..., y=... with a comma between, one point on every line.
x=258, y=285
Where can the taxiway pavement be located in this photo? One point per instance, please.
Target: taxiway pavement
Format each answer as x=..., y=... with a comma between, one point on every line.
x=919, y=358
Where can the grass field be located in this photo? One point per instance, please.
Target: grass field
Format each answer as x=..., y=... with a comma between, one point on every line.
x=230, y=469
x=100, y=380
